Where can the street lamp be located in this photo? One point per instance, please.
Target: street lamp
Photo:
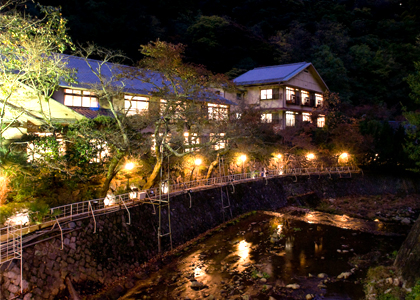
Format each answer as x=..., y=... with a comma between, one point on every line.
x=197, y=163
x=243, y=159
x=343, y=158
x=128, y=167
x=279, y=157
x=310, y=156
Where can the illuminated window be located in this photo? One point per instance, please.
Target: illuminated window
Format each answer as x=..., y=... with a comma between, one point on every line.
x=306, y=117
x=266, y=118
x=217, y=112
x=171, y=109
x=80, y=98
x=238, y=116
x=266, y=94
x=135, y=104
x=220, y=142
x=153, y=147
x=290, y=118
x=191, y=139
x=292, y=96
x=320, y=122
x=305, y=98
x=269, y=94
x=319, y=100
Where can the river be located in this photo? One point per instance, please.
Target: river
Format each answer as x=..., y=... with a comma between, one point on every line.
x=292, y=254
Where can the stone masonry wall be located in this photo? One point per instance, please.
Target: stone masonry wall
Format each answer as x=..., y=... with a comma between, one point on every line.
x=116, y=247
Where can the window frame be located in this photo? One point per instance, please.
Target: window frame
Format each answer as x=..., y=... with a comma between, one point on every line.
x=130, y=109
x=71, y=95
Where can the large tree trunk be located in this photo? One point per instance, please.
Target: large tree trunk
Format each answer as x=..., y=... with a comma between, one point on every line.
x=212, y=166
x=151, y=179
x=112, y=171
x=408, y=257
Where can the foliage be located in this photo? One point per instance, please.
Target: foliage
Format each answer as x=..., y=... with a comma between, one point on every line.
x=30, y=62
x=181, y=117
x=4, y=188
x=415, y=293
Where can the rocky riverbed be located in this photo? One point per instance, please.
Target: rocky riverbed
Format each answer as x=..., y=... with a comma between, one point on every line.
x=273, y=256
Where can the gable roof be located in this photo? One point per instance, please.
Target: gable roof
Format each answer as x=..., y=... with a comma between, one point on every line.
x=85, y=78
x=274, y=74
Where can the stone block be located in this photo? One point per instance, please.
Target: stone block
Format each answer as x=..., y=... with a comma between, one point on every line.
x=13, y=288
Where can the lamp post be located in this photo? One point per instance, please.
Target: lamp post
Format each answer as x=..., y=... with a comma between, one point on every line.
x=128, y=167
x=197, y=164
x=343, y=158
x=279, y=156
x=243, y=159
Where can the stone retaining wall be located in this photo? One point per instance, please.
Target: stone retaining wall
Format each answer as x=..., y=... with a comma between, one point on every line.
x=116, y=247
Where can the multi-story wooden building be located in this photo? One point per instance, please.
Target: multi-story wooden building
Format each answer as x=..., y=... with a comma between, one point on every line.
x=285, y=94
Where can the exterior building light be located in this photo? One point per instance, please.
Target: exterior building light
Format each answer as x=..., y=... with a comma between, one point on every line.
x=279, y=156
x=343, y=158
x=129, y=166
x=310, y=156
x=243, y=159
x=198, y=161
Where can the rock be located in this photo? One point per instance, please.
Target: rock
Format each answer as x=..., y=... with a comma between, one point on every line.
x=309, y=296
x=322, y=286
x=293, y=286
x=271, y=298
x=396, y=282
x=246, y=297
x=263, y=280
x=406, y=221
x=387, y=291
x=338, y=250
x=197, y=285
x=322, y=275
x=13, y=289
x=27, y=296
x=389, y=280
x=344, y=275
x=310, y=275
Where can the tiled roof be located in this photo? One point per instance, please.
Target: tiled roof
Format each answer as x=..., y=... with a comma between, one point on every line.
x=272, y=74
x=92, y=113
x=85, y=78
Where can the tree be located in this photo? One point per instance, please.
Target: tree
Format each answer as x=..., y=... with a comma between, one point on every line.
x=181, y=117
x=121, y=135
x=412, y=145
x=29, y=62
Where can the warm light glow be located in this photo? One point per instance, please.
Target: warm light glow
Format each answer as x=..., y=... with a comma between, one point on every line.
x=242, y=157
x=310, y=156
x=129, y=166
x=279, y=156
x=165, y=187
x=198, y=161
x=198, y=272
x=21, y=218
x=186, y=134
x=343, y=158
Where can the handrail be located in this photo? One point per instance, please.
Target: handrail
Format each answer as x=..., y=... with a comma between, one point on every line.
x=82, y=209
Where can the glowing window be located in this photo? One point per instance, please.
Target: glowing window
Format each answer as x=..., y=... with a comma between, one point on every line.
x=320, y=122
x=80, y=98
x=191, y=139
x=319, y=99
x=290, y=118
x=266, y=118
x=135, y=104
x=220, y=142
x=305, y=97
x=291, y=95
x=266, y=94
x=306, y=117
x=217, y=112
